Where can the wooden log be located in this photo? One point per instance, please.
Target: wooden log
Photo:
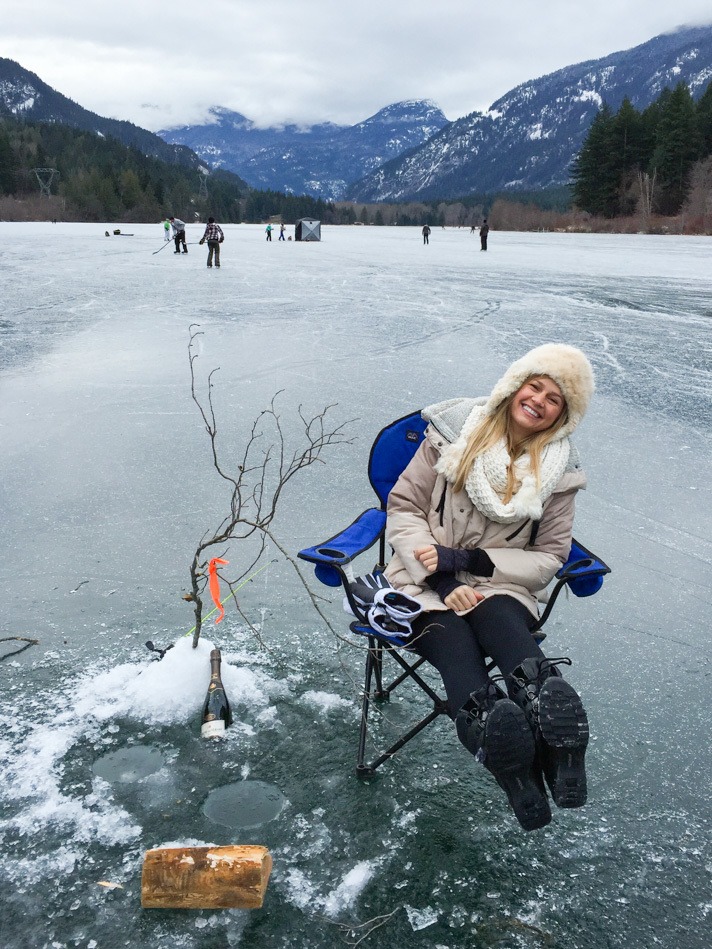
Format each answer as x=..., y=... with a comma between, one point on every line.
x=232, y=877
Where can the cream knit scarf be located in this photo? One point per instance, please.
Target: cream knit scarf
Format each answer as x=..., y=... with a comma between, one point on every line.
x=487, y=480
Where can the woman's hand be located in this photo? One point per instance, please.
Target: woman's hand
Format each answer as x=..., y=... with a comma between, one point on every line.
x=428, y=556
x=462, y=598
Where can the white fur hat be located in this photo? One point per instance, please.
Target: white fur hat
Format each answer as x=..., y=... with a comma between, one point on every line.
x=566, y=365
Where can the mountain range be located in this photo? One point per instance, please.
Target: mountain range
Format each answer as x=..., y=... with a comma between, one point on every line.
x=320, y=160
x=525, y=141
x=24, y=95
x=528, y=138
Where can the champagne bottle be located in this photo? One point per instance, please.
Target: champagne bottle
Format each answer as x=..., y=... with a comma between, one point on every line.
x=216, y=709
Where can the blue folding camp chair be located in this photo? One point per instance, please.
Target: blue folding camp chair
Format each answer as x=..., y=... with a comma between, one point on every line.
x=391, y=452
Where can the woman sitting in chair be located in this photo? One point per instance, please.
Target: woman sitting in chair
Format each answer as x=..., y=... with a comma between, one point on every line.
x=479, y=521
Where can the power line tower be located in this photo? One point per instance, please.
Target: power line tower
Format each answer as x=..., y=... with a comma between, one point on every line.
x=45, y=177
x=203, y=188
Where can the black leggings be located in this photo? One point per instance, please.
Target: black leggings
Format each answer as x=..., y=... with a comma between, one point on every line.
x=499, y=627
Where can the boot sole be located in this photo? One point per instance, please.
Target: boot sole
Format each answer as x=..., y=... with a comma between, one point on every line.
x=510, y=752
x=564, y=730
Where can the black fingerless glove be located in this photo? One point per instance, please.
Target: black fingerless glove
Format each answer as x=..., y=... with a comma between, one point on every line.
x=476, y=561
x=443, y=583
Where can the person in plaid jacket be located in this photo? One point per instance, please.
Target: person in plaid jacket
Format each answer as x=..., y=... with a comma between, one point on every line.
x=214, y=236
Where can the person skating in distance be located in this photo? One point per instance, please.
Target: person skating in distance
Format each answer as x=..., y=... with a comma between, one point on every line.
x=178, y=234
x=484, y=231
x=214, y=236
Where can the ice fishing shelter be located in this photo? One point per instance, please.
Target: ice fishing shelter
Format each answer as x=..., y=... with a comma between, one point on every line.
x=307, y=229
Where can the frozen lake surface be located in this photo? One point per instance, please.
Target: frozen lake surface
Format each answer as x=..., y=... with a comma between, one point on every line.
x=107, y=486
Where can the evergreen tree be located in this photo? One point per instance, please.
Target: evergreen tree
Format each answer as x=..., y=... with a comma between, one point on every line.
x=677, y=147
x=704, y=121
x=631, y=153
x=628, y=135
x=8, y=165
x=179, y=200
x=130, y=189
x=649, y=120
x=596, y=169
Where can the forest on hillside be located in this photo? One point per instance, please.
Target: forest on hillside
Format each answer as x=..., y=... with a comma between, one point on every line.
x=101, y=179
x=655, y=161
x=98, y=178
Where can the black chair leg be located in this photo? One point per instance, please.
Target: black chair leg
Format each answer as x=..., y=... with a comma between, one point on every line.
x=374, y=668
x=365, y=702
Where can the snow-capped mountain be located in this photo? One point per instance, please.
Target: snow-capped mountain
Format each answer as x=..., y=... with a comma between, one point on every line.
x=229, y=139
x=407, y=151
x=320, y=160
x=529, y=137
x=24, y=95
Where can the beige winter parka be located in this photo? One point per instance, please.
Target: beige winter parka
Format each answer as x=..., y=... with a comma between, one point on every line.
x=424, y=509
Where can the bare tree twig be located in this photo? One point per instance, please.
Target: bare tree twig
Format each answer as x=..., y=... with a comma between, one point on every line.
x=365, y=929
x=21, y=639
x=256, y=488
x=311, y=594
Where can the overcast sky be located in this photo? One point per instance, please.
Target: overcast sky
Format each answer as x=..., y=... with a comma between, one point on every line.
x=159, y=63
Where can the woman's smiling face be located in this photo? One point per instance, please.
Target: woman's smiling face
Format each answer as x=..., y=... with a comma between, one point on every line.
x=536, y=406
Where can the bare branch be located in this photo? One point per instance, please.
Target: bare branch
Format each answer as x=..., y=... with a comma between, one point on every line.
x=256, y=488
x=306, y=586
x=20, y=639
x=362, y=930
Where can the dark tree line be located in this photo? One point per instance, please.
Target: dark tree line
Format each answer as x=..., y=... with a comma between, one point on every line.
x=262, y=205
x=101, y=179
x=633, y=159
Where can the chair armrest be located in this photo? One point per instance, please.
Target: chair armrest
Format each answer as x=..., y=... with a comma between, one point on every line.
x=583, y=571
x=339, y=550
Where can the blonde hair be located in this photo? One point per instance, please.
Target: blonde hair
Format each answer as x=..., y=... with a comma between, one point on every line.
x=495, y=427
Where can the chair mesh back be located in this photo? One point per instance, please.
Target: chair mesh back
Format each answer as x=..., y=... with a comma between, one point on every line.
x=393, y=448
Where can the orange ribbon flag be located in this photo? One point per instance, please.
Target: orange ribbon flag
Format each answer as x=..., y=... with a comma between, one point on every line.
x=214, y=584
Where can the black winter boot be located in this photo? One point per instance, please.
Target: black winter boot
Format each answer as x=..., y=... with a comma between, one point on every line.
x=496, y=731
x=558, y=719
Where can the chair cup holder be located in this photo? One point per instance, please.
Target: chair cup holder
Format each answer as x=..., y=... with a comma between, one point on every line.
x=331, y=552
